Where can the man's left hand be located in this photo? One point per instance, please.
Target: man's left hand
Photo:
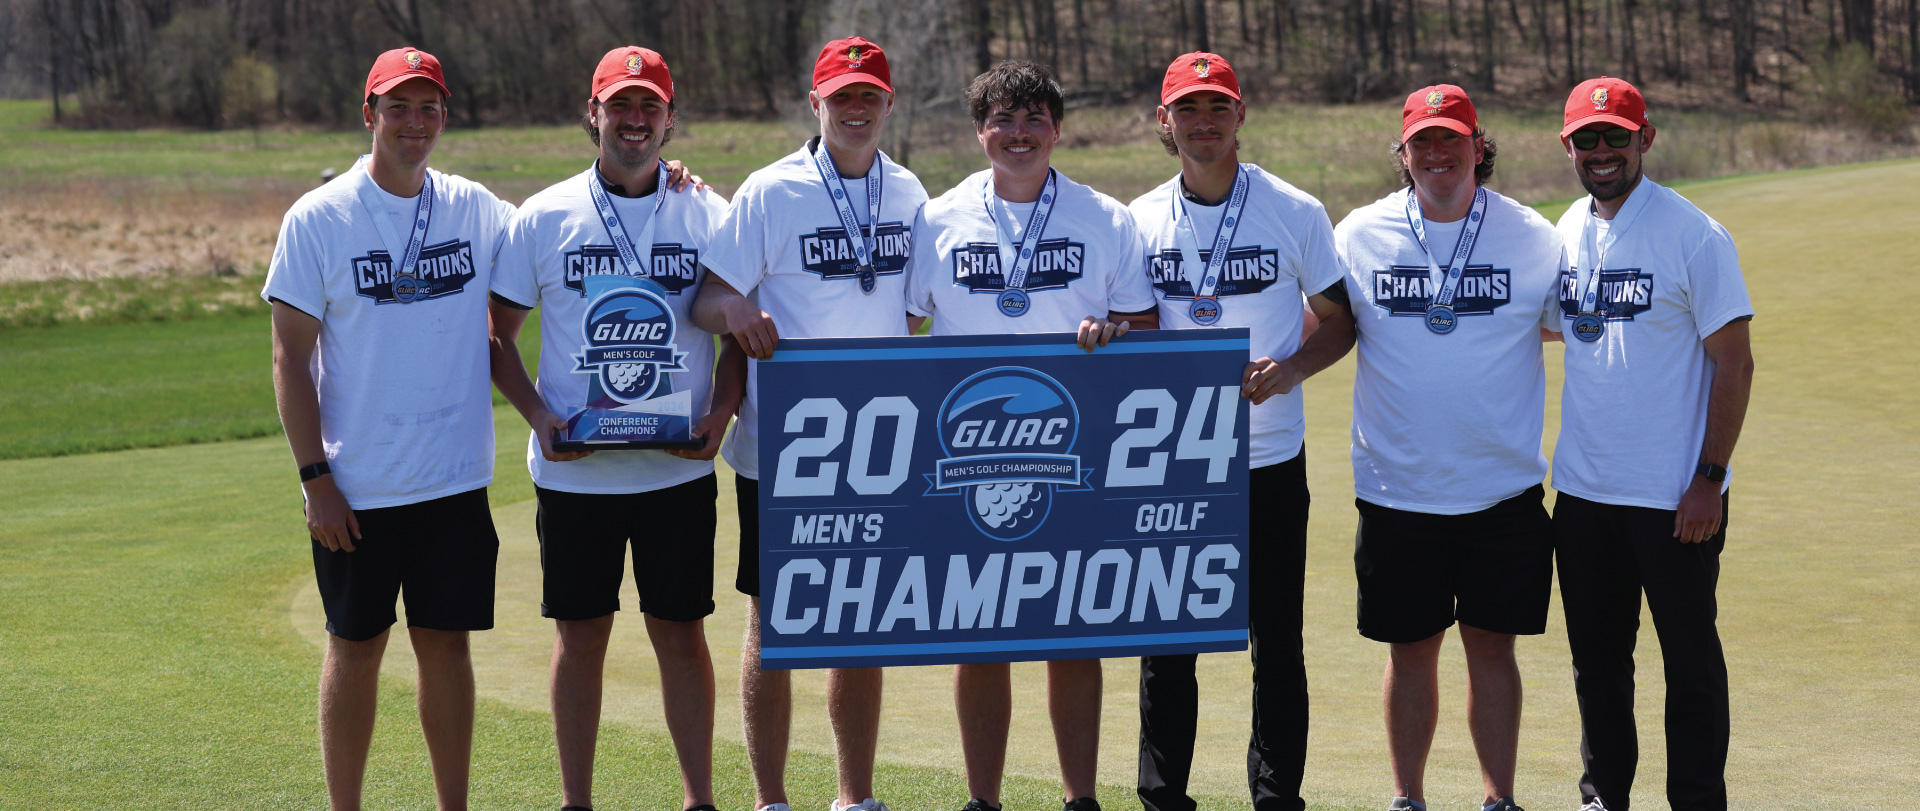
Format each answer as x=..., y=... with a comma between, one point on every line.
x=1699, y=515
x=709, y=430
x=1096, y=331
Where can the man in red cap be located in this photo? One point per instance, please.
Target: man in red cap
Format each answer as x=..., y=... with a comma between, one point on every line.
x=1449, y=285
x=1658, y=371
x=1229, y=245
x=813, y=246
x=380, y=370
x=623, y=217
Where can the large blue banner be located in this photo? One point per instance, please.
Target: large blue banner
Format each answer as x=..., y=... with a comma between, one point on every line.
x=1002, y=498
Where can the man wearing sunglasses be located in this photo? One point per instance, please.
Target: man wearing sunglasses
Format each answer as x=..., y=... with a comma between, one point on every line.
x=1654, y=311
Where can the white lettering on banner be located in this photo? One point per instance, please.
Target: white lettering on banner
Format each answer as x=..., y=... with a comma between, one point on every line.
x=836, y=528
x=1168, y=517
x=1121, y=585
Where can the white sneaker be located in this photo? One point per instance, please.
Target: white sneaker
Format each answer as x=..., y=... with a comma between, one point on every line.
x=868, y=804
x=1594, y=805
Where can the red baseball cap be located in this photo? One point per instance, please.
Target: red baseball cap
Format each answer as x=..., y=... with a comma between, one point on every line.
x=632, y=66
x=1197, y=71
x=849, y=61
x=1605, y=99
x=401, y=64
x=1442, y=105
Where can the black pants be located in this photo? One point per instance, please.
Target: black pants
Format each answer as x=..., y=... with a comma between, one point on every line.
x=1170, y=696
x=1607, y=556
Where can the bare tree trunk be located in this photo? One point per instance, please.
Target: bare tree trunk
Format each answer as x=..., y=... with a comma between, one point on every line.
x=1913, y=51
x=979, y=16
x=1743, y=68
x=1080, y=37
x=1489, y=45
x=1857, y=18
x=1200, y=25
x=1383, y=32
x=1573, y=72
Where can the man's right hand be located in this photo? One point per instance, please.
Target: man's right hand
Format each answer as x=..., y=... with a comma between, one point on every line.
x=751, y=326
x=329, y=520
x=546, y=425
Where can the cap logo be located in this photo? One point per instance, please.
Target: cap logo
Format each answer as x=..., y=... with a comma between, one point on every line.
x=1201, y=68
x=412, y=59
x=633, y=64
x=854, y=56
x=1434, y=100
x=1599, y=98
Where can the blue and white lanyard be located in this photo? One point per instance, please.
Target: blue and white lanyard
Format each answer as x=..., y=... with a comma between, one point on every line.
x=1462, y=250
x=862, y=241
x=617, y=230
x=1222, y=236
x=408, y=258
x=1016, y=276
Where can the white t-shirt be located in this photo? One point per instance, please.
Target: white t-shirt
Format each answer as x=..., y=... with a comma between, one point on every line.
x=553, y=243
x=1449, y=424
x=1633, y=412
x=405, y=411
x=1085, y=263
x=781, y=243
x=1282, y=250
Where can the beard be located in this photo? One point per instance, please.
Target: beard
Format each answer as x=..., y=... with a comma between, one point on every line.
x=1621, y=183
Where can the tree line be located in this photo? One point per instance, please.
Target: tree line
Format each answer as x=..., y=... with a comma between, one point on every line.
x=227, y=63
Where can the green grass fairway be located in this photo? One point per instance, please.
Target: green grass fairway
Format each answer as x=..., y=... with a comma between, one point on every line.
x=158, y=629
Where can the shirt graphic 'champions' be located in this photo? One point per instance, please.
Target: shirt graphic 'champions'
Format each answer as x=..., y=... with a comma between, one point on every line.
x=443, y=270
x=1056, y=264
x=673, y=267
x=1248, y=270
x=1407, y=290
x=827, y=252
x=1623, y=294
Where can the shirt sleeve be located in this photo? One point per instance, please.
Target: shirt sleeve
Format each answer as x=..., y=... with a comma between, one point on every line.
x=1130, y=291
x=297, y=273
x=923, y=266
x=516, y=277
x=1717, y=290
x=737, y=252
x=1550, y=310
x=1320, y=266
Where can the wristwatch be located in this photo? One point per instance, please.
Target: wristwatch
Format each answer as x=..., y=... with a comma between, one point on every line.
x=314, y=471
x=1713, y=473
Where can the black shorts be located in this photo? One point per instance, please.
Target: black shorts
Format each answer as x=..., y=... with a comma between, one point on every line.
x=746, y=578
x=1419, y=572
x=583, y=546
x=438, y=554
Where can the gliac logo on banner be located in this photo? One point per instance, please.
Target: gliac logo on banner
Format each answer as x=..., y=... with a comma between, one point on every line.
x=1008, y=435
x=629, y=334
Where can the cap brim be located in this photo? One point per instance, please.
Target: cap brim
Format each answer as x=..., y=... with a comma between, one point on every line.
x=387, y=86
x=608, y=91
x=1192, y=89
x=834, y=84
x=1435, y=121
x=1605, y=117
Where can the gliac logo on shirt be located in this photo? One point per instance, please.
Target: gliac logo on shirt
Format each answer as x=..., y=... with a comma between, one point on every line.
x=1008, y=436
x=1056, y=264
x=442, y=270
x=1406, y=290
x=828, y=253
x=674, y=267
x=629, y=343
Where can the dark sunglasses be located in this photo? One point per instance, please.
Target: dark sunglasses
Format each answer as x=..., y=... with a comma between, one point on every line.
x=1618, y=138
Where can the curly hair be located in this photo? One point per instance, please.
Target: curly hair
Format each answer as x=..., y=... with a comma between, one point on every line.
x=1016, y=84
x=593, y=132
x=1482, y=171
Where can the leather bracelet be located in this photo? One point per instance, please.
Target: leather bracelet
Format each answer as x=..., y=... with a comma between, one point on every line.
x=314, y=471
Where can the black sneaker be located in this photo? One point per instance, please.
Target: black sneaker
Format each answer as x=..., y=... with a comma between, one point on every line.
x=977, y=804
x=695, y=808
x=575, y=808
x=1504, y=804
x=1082, y=804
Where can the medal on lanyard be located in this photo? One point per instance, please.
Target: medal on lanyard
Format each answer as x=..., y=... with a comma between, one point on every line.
x=407, y=287
x=1014, y=301
x=1206, y=309
x=862, y=241
x=617, y=231
x=1591, y=324
x=1441, y=318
